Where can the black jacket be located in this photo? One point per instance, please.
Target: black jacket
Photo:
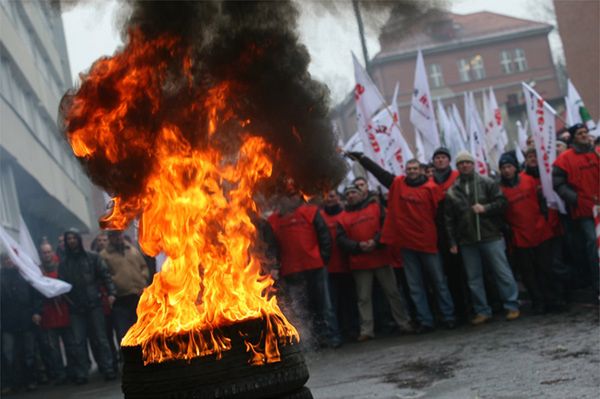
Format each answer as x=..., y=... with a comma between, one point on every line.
x=19, y=302
x=461, y=221
x=86, y=272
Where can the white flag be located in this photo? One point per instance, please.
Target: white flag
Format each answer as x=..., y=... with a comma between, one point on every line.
x=421, y=111
x=395, y=148
x=522, y=135
x=519, y=154
x=500, y=134
x=31, y=272
x=460, y=125
x=475, y=129
x=542, y=122
x=368, y=100
x=449, y=131
x=576, y=111
x=490, y=133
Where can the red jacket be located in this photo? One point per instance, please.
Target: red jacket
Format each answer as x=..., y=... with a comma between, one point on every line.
x=410, y=222
x=297, y=240
x=448, y=183
x=358, y=225
x=55, y=311
x=553, y=214
x=523, y=214
x=338, y=263
x=583, y=176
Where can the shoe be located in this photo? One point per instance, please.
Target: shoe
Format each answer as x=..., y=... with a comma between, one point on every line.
x=60, y=381
x=363, y=338
x=110, y=377
x=32, y=386
x=423, y=329
x=512, y=315
x=479, y=319
x=7, y=391
x=450, y=324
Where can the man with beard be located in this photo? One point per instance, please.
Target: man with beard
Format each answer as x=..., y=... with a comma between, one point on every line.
x=530, y=232
x=410, y=226
x=473, y=213
x=304, y=248
x=575, y=177
x=343, y=292
x=86, y=272
x=358, y=235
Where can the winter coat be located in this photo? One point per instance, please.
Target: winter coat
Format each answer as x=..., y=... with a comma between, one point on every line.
x=338, y=263
x=19, y=301
x=128, y=269
x=575, y=177
x=303, y=240
x=461, y=221
x=55, y=311
x=410, y=221
x=86, y=272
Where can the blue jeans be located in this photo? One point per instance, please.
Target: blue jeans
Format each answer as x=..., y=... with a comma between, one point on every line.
x=495, y=257
x=414, y=261
x=90, y=324
x=587, y=232
x=307, y=297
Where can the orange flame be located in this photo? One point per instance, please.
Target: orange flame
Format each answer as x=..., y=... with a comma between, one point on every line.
x=195, y=207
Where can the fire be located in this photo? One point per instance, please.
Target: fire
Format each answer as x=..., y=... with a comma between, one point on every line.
x=195, y=201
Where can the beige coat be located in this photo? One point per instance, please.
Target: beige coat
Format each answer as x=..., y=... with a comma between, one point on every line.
x=129, y=270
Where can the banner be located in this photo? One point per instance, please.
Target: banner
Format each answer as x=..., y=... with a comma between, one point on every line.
x=542, y=122
x=575, y=108
x=421, y=112
x=29, y=270
x=475, y=129
x=449, y=131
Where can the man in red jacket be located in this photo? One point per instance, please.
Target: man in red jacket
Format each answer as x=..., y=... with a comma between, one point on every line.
x=343, y=291
x=304, y=247
x=54, y=324
x=410, y=225
x=358, y=235
x=576, y=179
x=530, y=232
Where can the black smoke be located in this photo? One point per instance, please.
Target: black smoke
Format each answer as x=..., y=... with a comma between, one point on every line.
x=251, y=45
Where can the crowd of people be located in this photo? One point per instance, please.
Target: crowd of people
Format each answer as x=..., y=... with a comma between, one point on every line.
x=96, y=313
x=443, y=247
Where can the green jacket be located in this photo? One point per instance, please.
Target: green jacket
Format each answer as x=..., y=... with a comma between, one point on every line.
x=461, y=221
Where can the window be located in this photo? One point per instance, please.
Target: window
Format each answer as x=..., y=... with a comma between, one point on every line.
x=436, y=79
x=520, y=60
x=463, y=70
x=506, y=61
x=477, y=67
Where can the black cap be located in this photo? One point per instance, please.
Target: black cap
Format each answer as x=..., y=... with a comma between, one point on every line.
x=442, y=150
x=575, y=127
x=507, y=157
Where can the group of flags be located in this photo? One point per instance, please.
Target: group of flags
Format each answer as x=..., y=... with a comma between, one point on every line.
x=380, y=137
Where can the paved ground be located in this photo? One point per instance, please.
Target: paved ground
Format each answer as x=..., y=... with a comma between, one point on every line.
x=555, y=356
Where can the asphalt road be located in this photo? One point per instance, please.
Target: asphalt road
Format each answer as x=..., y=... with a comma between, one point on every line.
x=552, y=356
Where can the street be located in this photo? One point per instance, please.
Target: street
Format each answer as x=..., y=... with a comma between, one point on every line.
x=553, y=356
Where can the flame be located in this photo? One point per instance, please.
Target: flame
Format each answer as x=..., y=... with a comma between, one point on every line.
x=195, y=206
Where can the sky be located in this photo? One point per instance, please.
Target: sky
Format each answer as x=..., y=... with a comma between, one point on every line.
x=91, y=30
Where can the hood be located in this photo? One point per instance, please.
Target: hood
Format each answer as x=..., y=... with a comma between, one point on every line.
x=68, y=250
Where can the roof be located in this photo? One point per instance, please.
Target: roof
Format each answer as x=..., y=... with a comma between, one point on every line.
x=447, y=29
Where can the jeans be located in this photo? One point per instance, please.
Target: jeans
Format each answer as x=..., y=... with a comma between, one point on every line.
x=343, y=299
x=124, y=315
x=90, y=324
x=308, y=300
x=587, y=232
x=364, y=290
x=495, y=257
x=18, y=358
x=414, y=261
x=52, y=354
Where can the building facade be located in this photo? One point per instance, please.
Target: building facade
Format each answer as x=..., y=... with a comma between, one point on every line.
x=40, y=179
x=579, y=30
x=462, y=53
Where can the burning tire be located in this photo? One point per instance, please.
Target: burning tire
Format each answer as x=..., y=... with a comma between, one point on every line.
x=231, y=377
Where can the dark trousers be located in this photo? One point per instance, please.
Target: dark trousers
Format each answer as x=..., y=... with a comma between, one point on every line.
x=307, y=302
x=343, y=300
x=51, y=351
x=124, y=315
x=90, y=324
x=18, y=358
x=535, y=265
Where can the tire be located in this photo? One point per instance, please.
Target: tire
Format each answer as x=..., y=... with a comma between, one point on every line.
x=231, y=377
x=302, y=393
